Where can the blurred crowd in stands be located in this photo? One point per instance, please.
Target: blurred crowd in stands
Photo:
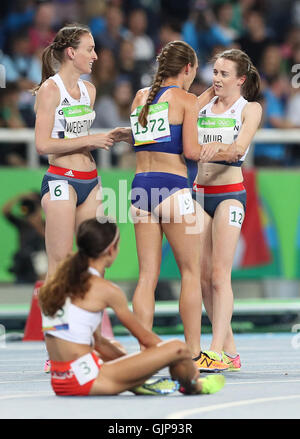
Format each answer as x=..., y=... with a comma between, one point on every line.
x=129, y=35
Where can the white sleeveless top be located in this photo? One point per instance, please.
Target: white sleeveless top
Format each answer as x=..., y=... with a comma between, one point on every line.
x=72, y=323
x=73, y=118
x=223, y=128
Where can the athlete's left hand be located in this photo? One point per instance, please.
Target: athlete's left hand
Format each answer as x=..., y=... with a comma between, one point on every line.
x=209, y=150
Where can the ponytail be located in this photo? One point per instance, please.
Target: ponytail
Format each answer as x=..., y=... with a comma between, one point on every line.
x=173, y=57
x=71, y=279
x=252, y=85
x=47, y=67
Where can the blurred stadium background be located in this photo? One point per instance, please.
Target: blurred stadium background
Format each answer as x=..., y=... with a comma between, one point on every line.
x=128, y=35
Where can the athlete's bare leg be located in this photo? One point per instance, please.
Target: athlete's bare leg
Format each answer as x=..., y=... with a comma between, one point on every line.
x=148, y=235
x=184, y=234
x=60, y=228
x=133, y=370
x=224, y=241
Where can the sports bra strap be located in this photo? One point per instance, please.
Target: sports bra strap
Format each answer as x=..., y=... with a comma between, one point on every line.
x=161, y=92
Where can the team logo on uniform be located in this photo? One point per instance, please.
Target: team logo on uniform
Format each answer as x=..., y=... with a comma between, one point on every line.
x=65, y=102
x=69, y=173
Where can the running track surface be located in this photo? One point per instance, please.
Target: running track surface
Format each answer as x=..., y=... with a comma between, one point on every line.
x=267, y=387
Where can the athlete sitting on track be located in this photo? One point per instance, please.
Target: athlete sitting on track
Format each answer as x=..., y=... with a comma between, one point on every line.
x=83, y=362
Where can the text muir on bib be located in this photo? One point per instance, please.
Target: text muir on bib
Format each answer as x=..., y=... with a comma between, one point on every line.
x=216, y=129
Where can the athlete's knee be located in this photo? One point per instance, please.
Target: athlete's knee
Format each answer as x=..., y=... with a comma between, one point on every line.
x=179, y=349
x=206, y=286
x=220, y=279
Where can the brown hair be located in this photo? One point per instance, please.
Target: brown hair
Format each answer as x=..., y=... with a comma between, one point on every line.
x=68, y=36
x=172, y=58
x=244, y=66
x=71, y=278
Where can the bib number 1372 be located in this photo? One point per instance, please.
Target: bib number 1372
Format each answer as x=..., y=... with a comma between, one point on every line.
x=157, y=128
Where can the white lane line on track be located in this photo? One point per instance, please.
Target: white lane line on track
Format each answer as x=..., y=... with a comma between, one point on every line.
x=21, y=372
x=25, y=381
x=263, y=382
x=27, y=395
x=185, y=413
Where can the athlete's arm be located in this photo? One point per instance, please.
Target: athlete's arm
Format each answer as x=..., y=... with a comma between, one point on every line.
x=191, y=147
x=251, y=117
x=108, y=349
x=116, y=299
x=46, y=102
x=206, y=97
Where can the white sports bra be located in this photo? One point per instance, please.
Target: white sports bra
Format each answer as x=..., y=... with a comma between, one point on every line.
x=223, y=128
x=73, y=118
x=72, y=323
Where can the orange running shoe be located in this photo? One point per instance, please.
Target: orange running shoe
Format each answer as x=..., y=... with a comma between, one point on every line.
x=209, y=361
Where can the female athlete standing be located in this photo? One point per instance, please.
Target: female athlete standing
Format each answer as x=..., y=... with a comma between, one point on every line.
x=164, y=129
x=227, y=120
x=64, y=115
x=83, y=362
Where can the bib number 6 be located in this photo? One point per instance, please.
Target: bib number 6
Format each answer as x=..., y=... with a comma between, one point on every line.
x=59, y=190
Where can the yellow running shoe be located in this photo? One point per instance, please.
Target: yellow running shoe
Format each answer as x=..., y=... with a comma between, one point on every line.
x=205, y=386
x=161, y=386
x=210, y=384
x=234, y=363
x=209, y=361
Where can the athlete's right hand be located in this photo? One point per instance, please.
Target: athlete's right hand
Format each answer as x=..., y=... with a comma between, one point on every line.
x=104, y=141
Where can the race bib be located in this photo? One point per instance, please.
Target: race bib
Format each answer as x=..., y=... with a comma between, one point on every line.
x=215, y=129
x=79, y=119
x=236, y=216
x=59, y=321
x=186, y=204
x=85, y=369
x=59, y=190
x=157, y=128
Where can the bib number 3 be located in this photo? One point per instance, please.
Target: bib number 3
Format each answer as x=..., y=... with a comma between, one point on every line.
x=85, y=369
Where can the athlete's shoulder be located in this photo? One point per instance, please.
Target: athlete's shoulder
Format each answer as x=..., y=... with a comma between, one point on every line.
x=90, y=86
x=252, y=108
x=48, y=86
x=189, y=99
x=142, y=92
x=48, y=92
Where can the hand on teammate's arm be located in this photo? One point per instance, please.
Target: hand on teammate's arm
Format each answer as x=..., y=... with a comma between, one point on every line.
x=122, y=134
x=206, y=97
x=216, y=151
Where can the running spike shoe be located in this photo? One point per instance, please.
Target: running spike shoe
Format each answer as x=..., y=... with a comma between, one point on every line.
x=161, y=386
x=208, y=385
x=234, y=363
x=209, y=361
x=47, y=366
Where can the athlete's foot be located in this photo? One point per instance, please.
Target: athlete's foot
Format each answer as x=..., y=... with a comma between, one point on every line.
x=233, y=361
x=210, y=362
